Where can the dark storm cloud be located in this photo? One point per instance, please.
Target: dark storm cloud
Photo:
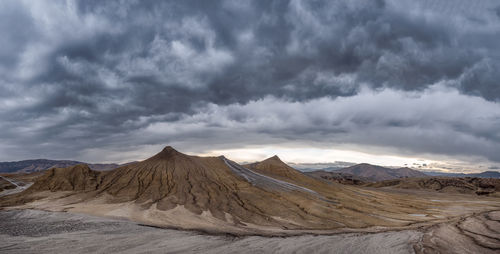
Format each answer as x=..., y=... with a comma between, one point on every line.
x=92, y=73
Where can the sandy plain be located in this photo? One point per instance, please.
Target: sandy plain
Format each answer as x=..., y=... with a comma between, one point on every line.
x=36, y=231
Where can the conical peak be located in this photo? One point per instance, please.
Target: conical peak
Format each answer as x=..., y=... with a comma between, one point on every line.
x=168, y=149
x=274, y=158
x=167, y=153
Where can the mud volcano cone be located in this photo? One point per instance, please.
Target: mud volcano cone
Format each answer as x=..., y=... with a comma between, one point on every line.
x=215, y=184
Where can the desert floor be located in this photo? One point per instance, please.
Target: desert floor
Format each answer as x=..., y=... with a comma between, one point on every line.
x=35, y=231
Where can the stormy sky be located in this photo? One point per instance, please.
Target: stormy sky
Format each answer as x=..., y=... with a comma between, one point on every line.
x=390, y=82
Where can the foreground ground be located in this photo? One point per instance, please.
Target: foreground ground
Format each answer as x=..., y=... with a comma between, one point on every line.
x=35, y=231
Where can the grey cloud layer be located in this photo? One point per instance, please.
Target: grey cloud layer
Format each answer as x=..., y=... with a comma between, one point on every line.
x=406, y=123
x=84, y=74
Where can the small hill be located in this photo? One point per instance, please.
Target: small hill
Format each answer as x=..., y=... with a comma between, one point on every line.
x=377, y=173
x=29, y=166
x=464, y=185
x=342, y=178
x=74, y=178
x=274, y=167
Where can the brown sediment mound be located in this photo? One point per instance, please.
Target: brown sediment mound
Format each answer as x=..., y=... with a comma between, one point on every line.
x=74, y=178
x=336, y=177
x=466, y=185
x=274, y=167
x=171, y=179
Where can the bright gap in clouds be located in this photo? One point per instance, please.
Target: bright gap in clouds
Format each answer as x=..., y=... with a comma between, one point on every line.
x=315, y=155
x=302, y=157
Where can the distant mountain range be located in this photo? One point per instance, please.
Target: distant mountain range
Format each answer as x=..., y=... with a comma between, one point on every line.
x=356, y=173
x=329, y=166
x=485, y=174
x=28, y=166
x=472, y=185
x=366, y=172
x=377, y=173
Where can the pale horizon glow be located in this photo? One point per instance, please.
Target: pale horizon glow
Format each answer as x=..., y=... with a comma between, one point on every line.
x=318, y=155
x=299, y=155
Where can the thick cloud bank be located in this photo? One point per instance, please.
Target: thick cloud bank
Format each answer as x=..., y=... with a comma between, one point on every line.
x=404, y=77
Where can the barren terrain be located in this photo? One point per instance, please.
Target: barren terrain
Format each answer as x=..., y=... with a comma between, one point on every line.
x=35, y=231
x=255, y=204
